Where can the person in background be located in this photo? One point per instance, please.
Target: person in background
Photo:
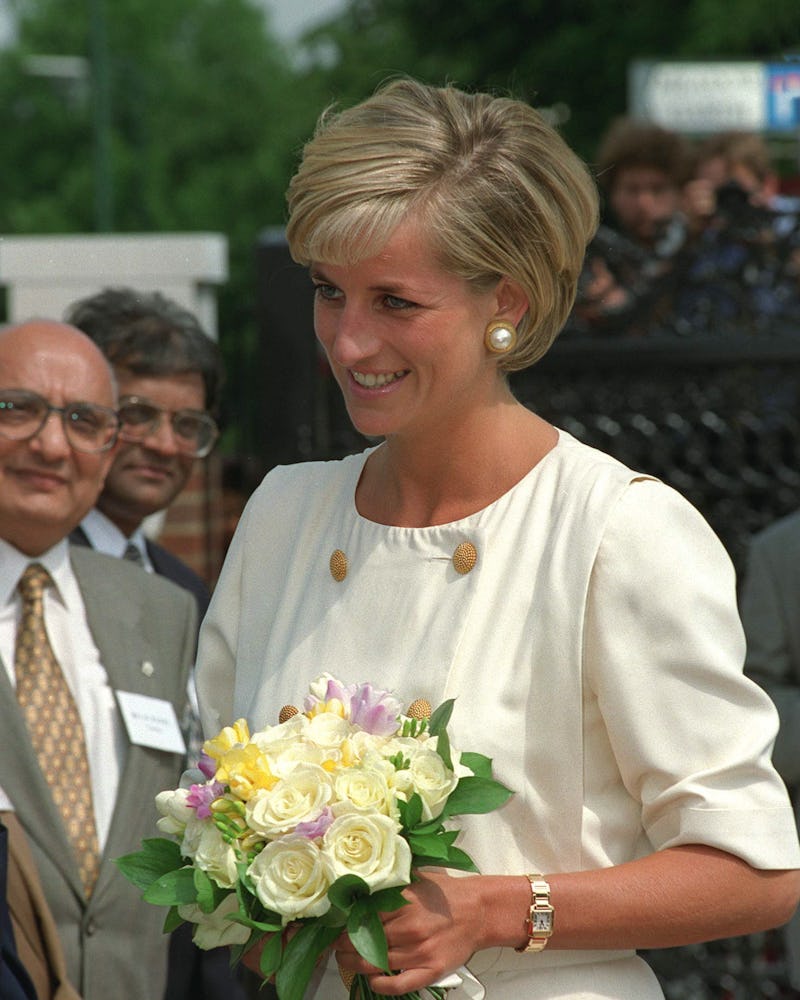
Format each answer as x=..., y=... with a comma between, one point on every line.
x=769, y=603
x=15, y=983
x=83, y=637
x=743, y=272
x=736, y=164
x=582, y=615
x=626, y=279
x=35, y=938
x=169, y=373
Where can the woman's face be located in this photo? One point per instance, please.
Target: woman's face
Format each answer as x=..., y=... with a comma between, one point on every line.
x=404, y=338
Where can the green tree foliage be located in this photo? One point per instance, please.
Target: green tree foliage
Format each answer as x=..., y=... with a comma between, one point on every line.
x=574, y=53
x=205, y=122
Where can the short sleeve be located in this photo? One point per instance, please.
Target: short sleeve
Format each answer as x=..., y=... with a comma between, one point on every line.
x=663, y=654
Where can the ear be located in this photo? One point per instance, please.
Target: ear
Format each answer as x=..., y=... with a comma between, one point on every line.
x=512, y=302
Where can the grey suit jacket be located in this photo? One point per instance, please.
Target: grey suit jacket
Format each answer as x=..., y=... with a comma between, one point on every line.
x=113, y=942
x=770, y=609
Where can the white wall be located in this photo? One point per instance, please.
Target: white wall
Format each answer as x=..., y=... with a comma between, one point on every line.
x=44, y=274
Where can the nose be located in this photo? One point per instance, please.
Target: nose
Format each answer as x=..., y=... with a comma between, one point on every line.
x=51, y=440
x=351, y=337
x=162, y=438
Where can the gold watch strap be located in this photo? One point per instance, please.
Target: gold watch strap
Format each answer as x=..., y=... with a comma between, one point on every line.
x=541, y=917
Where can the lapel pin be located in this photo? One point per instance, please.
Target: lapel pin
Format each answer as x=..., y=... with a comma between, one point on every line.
x=148, y=669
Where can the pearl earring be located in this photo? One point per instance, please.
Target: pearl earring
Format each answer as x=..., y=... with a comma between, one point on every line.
x=500, y=337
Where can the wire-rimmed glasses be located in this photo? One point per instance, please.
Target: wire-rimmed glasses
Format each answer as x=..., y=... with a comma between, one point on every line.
x=195, y=431
x=88, y=427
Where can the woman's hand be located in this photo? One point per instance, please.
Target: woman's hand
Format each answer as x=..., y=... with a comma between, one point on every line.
x=446, y=921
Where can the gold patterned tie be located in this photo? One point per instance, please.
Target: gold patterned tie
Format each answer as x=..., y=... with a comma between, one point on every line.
x=54, y=724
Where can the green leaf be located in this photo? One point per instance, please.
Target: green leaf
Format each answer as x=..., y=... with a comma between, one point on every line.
x=387, y=900
x=271, y=955
x=172, y=920
x=476, y=795
x=299, y=958
x=209, y=894
x=443, y=749
x=256, y=925
x=410, y=812
x=441, y=717
x=456, y=858
x=156, y=857
x=365, y=930
x=172, y=889
x=346, y=890
x=432, y=846
x=480, y=765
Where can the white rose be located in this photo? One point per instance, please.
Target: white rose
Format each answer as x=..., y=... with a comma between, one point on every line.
x=432, y=781
x=175, y=814
x=291, y=876
x=283, y=757
x=370, y=847
x=216, y=858
x=328, y=730
x=366, y=790
x=300, y=797
x=214, y=929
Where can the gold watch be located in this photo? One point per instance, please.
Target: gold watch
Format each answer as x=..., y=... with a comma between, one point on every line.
x=541, y=917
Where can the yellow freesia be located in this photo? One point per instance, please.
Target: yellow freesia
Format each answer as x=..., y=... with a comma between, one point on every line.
x=227, y=739
x=245, y=770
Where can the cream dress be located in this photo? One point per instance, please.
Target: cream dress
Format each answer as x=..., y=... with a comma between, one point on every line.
x=594, y=652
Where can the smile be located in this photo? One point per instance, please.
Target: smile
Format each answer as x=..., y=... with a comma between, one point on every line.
x=371, y=381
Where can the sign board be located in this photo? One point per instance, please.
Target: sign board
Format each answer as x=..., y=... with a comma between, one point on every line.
x=703, y=97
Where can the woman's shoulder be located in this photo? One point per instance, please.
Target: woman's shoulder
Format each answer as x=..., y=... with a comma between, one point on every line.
x=305, y=480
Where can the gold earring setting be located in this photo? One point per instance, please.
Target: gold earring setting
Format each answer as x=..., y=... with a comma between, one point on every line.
x=500, y=337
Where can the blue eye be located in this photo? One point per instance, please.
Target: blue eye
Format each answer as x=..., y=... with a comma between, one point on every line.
x=326, y=291
x=394, y=302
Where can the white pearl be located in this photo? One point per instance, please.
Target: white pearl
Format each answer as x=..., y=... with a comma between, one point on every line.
x=501, y=338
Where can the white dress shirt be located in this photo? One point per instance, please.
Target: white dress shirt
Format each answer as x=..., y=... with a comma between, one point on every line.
x=75, y=650
x=105, y=536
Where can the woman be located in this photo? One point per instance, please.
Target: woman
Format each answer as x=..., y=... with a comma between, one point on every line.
x=581, y=614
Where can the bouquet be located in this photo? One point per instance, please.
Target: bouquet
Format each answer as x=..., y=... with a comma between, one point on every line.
x=304, y=830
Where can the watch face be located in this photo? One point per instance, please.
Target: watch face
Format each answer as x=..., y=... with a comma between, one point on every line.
x=542, y=921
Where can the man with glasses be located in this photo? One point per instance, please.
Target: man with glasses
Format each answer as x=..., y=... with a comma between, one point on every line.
x=86, y=642
x=169, y=373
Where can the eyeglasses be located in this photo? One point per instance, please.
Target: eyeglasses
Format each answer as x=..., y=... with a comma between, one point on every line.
x=88, y=427
x=195, y=431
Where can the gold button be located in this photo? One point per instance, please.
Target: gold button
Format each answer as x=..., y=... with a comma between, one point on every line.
x=338, y=565
x=465, y=557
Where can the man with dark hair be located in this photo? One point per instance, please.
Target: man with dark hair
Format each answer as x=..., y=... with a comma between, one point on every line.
x=641, y=169
x=169, y=373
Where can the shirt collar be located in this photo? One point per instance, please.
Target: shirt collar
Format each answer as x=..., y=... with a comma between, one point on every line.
x=105, y=536
x=13, y=562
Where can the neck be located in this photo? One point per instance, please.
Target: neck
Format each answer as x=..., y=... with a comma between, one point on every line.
x=418, y=483
x=123, y=520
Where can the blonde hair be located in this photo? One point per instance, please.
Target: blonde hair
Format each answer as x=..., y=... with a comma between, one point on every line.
x=496, y=189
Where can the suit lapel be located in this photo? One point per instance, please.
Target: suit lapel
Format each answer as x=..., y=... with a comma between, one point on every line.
x=22, y=780
x=133, y=663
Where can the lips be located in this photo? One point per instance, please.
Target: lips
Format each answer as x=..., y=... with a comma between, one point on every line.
x=370, y=380
x=42, y=479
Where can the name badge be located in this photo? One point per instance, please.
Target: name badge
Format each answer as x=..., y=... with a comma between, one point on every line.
x=151, y=722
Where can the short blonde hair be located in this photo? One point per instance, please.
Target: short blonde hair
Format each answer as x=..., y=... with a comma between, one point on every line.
x=497, y=190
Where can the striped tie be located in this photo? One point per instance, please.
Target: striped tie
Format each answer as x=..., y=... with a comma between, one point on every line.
x=54, y=725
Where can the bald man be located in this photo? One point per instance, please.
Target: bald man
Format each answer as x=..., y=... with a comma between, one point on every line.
x=117, y=639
